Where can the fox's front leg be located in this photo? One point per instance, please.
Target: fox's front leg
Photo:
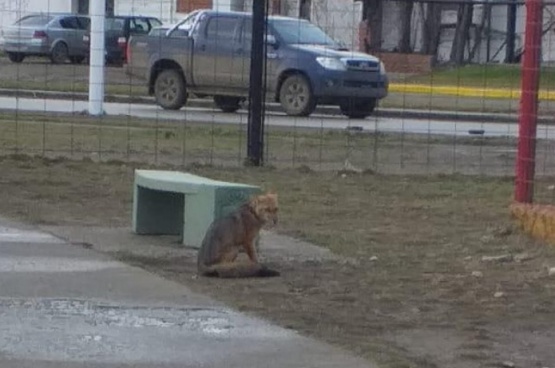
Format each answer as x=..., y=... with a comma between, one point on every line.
x=250, y=248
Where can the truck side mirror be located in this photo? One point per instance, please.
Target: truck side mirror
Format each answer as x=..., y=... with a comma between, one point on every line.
x=271, y=41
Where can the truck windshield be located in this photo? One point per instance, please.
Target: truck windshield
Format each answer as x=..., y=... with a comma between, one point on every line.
x=293, y=31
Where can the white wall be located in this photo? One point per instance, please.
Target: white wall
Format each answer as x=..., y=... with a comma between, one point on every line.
x=12, y=10
x=339, y=19
x=162, y=9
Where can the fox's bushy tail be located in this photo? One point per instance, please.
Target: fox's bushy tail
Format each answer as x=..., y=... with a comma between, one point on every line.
x=237, y=270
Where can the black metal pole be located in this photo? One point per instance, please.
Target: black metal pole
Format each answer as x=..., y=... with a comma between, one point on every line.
x=511, y=32
x=255, y=136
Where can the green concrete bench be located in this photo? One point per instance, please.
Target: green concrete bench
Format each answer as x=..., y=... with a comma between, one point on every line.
x=177, y=203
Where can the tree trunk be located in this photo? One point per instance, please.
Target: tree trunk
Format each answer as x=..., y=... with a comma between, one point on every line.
x=479, y=35
x=464, y=21
x=373, y=14
x=432, y=28
x=406, y=29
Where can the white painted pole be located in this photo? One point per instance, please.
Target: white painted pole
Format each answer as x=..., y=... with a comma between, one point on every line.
x=97, y=11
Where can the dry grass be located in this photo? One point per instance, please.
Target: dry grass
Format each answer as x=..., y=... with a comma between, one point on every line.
x=427, y=232
x=179, y=143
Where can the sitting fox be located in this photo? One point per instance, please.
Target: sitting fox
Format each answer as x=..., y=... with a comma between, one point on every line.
x=237, y=231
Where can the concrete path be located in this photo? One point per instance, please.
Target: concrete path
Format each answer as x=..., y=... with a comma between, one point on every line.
x=62, y=305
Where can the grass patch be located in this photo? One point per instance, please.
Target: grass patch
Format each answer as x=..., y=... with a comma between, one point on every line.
x=54, y=85
x=484, y=76
x=135, y=139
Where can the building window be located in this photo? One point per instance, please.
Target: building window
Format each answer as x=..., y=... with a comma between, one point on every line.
x=187, y=6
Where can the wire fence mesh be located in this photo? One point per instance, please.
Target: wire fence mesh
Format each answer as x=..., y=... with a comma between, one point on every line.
x=454, y=85
x=436, y=249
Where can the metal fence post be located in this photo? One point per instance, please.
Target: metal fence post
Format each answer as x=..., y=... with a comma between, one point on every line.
x=255, y=137
x=525, y=164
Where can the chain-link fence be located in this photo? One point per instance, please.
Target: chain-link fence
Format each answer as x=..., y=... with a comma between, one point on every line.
x=452, y=68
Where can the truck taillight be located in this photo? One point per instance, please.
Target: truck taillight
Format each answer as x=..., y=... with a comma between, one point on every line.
x=40, y=34
x=124, y=46
x=128, y=53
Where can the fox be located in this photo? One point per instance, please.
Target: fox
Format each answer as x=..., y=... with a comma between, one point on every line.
x=238, y=231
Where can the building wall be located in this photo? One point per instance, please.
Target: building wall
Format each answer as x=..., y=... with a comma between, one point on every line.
x=12, y=10
x=165, y=10
x=339, y=19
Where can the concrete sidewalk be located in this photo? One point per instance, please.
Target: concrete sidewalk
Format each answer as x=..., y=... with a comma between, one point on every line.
x=271, y=107
x=63, y=305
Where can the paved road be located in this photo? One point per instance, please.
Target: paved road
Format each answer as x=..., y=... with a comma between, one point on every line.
x=65, y=306
x=276, y=119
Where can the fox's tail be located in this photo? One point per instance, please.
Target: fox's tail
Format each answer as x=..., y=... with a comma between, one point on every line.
x=236, y=270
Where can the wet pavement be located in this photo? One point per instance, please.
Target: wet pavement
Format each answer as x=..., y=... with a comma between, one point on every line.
x=62, y=305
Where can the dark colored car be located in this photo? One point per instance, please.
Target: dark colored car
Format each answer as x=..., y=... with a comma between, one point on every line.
x=53, y=35
x=118, y=30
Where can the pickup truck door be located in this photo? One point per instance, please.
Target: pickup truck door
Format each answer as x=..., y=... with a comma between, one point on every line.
x=242, y=60
x=214, y=51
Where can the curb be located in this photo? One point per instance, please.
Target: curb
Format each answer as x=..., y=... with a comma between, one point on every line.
x=475, y=92
x=274, y=107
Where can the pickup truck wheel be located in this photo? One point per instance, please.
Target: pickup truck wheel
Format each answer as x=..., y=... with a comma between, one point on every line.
x=227, y=104
x=16, y=57
x=358, y=109
x=296, y=97
x=170, y=90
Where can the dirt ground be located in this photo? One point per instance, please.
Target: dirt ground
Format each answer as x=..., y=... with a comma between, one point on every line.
x=415, y=290
x=40, y=74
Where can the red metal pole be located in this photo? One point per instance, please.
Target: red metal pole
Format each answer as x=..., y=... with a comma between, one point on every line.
x=525, y=164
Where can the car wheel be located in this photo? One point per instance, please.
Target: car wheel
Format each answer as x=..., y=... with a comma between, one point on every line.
x=296, y=96
x=115, y=62
x=358, y=109
x=59, y=53
x=76, y=59
x=16, y=57
x=227, y=103
x=170, y=89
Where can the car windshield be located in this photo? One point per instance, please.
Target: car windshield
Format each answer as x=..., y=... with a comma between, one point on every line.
x=155, y=22
x=293, y=31
x=187, y=23
x=34, y=20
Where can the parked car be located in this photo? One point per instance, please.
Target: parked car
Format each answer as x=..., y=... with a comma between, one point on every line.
x=57, y=36
x=118, y=29
x=209, y=52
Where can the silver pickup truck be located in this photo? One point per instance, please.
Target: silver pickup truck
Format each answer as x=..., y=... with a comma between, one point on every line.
x=208, y=54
